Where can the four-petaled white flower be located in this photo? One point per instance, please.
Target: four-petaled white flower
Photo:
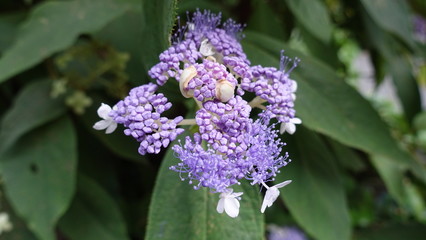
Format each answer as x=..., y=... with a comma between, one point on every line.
x=290, y=126
x=107, y=123
x=272, y=194
x=229, y=202
x=206, y=48
x=5, y=224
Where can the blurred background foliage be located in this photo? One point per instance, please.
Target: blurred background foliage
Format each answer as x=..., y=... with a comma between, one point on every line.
x=359, y=159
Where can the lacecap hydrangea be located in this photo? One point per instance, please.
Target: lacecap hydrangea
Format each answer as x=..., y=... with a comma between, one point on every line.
x=208, y=61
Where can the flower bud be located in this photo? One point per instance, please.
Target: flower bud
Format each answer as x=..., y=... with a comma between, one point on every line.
x=224, y=90
x=186, y=76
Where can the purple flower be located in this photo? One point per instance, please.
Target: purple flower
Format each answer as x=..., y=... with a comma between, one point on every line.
x=224, y=125
x=207, y=168
x=285, y=233
x=184, y=53
x=274, y=86
x=140, y=113
x=208, y=81
x=200, y=37
x=264, y=152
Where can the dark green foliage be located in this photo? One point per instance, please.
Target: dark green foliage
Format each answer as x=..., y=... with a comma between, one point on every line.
x=358, y=167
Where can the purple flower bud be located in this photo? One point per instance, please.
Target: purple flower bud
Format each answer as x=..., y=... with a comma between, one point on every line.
x=140, y=114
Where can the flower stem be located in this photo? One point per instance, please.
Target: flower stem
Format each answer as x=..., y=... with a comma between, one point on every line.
x=187, y=122
x=257, y=102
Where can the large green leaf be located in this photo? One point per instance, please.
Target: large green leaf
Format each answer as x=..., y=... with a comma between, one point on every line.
x=328, y=105
x=158, y=17
x=177, y=211
x=32, y=108
x=393, y=16
x=316, y=197
x=313, y=15
x=8, y=28
x=93, y=214
x=393, y=232
x=53, y=26
x=39, y=175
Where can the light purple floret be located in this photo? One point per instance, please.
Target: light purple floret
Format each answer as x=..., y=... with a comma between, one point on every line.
x=174, y=60
x=223, y=125
x=274, y=86
x=140, y=113
x=264, y=152
x=258, y=162
x=206, y=168
x=185, y=52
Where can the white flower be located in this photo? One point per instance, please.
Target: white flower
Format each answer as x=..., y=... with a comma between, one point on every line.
x=293, y=89
x=290, y=126
x=107, y=123
x=5, y=224
x=206, y=49
x=272, y=194
x=229, y=202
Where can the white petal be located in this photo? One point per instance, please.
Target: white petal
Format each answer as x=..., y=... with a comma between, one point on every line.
x=111, y=128
x=293, y=86
x=290, y=128
x=104, y=110
x=285, y=183
x=232, y=207
x=282, y=128
x=220, y=205
x=270, y=196
x=296, y=120
x=206, y=49
x=101, y=125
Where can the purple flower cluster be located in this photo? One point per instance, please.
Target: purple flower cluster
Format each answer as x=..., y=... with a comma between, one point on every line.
x=208, y=61
x=223, y=125
x=140, y=113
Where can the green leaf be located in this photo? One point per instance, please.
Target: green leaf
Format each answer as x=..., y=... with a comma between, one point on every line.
x=158, y=19
x=392, y=175
x=406, y=85
x=53, y=26
x=393, y=16
x=19, y=231
x=177, y=211
x=398, y=65
x=393, y=232
x=45, y=160
x=93, y=214
x=8, y=28
x=128, y=39
x=313, y=15
x=347, y=157
x=32, y=108
x=316, y=197
x=265, y=20
x=328, y=105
